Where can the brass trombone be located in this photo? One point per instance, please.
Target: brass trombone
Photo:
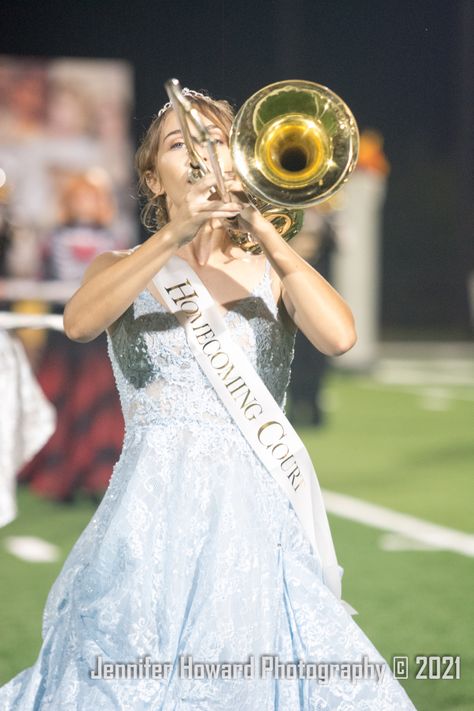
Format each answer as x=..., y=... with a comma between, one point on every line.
x=293, y=145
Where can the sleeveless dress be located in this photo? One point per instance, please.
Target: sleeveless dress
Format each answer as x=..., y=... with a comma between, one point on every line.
x=195, y=551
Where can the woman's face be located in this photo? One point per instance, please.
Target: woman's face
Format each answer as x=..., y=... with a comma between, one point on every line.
x=172, y=163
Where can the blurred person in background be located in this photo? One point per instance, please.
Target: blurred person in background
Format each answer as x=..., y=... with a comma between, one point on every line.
x=86, y=211
x=78, y=380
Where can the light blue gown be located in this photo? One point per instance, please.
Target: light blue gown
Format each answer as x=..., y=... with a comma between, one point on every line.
x=194, y=550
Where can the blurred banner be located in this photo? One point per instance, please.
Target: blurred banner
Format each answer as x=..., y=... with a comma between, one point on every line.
x=66, y=163
x=66, y=181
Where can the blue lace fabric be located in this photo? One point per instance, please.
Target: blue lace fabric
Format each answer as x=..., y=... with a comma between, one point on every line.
x=194, y=551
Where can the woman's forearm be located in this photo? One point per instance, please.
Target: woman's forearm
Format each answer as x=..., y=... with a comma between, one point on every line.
x=313, y=304
x=113, y=285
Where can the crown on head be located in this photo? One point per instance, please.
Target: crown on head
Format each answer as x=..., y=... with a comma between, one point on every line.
x=185, y=92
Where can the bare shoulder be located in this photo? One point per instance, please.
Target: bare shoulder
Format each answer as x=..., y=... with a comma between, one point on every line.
x=103, y=260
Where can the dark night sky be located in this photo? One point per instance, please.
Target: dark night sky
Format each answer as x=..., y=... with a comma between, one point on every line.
x=398, y=64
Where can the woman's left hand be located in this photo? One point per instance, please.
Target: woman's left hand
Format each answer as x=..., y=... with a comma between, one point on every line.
x=250, y=219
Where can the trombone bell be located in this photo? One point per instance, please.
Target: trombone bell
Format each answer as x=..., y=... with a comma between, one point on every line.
x=294, y=143
x=292, y=151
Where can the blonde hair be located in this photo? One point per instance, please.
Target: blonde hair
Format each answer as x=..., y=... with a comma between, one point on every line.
x=153, y=212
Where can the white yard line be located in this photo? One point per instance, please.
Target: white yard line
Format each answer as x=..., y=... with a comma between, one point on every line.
x=415, y=528
x=32, y=549
x=428, y=371
x=448, y=392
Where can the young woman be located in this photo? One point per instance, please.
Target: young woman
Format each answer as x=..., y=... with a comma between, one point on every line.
x=195, y=553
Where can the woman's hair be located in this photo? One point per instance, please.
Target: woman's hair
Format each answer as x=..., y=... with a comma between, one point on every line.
x=153, y=212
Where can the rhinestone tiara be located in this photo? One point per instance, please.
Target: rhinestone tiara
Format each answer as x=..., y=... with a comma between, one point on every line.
x=186, y=92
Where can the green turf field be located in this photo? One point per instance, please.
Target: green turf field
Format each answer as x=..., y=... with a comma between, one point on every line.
x=406, y=448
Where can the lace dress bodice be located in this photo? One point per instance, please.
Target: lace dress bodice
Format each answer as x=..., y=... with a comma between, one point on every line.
x=158, y=378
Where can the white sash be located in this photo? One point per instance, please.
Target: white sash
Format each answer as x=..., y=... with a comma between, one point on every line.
x=252, y=406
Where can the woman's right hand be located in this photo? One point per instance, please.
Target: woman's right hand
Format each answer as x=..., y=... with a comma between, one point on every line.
x=199, y=206
x=113, y=280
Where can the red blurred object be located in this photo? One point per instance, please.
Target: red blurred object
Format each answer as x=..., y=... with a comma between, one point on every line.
x=371, y=154
x=78, y=380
